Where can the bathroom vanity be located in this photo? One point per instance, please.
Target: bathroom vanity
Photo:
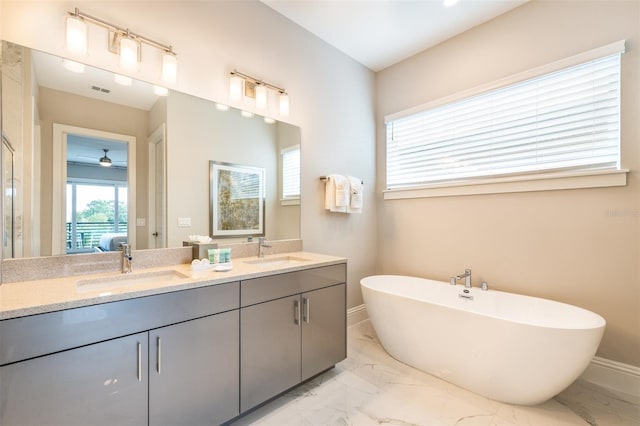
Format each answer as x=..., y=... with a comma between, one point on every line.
x=200, y=348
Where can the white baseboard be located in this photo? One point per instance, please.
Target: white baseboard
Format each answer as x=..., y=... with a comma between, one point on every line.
x=356, y=314
x=615, y=376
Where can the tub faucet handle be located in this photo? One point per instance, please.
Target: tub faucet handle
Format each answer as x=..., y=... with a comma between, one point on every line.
x=485, y=286
x=466, y=276
x=452, y=281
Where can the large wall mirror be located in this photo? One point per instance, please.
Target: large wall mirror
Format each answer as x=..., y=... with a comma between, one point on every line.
x=98, y=159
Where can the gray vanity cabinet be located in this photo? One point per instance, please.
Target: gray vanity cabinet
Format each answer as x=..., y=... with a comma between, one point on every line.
x=287, y=338
x=98, y=365
x=270, y=354
x=324, y=330
x=193, y=372
x=101, y=384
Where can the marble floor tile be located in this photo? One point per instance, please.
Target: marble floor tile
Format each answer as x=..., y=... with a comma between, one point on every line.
x=371, y=388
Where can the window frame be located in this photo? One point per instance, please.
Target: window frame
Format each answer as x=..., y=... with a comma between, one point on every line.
x=528, y=181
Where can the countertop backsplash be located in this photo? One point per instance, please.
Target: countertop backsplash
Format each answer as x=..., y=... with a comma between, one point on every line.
x=37, y=268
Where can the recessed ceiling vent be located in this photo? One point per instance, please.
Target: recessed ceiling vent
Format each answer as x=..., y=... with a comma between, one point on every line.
x=101, y=89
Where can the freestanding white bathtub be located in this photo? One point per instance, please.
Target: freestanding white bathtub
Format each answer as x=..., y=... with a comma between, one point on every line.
x=508, y=347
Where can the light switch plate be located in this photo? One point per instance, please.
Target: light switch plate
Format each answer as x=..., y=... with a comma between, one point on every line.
x=141, y=221
x=184, y=222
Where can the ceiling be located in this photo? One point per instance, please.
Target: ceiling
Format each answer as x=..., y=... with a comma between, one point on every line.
x=93, y=83
x=380, y=33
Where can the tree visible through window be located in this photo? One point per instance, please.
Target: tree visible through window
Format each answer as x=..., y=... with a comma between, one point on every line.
x=93, y=210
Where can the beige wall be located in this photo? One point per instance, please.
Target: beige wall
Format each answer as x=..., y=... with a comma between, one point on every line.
x=332, y=96
x=576, y=246
x=64, y=108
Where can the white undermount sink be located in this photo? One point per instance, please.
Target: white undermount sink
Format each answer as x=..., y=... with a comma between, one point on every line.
x=127, y=280
x=277, y=261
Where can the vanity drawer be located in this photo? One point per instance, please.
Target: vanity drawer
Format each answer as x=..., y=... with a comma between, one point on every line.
x=263, y=289
x=36, y=335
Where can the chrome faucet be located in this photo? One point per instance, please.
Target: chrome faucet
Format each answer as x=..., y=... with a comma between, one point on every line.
x=466, y=276
x=127, y=259
x=261, y=245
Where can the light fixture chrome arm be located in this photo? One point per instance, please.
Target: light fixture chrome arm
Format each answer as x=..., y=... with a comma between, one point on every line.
x=121, y=31
x=256, y=88
x=257, y=81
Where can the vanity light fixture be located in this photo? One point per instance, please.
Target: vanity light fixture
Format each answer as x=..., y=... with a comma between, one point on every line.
x=169, y=67
x=261, y=96
x=256, y=88
x=122, y=42
x=105, y=161
x=76, y=34
x=284, y=104
x=235, y=88
x=129, y=53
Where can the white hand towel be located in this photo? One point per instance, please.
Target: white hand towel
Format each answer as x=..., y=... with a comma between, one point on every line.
x=355, y=203
x=342, y=190
x=330, y=195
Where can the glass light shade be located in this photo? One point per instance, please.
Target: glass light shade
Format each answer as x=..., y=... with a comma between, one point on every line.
x=129, y=54
x=235, y=88
x=169, y=67
x=246, y=114
x=160, y=91
x=269, y=120
x=122, y=79
x=76, y=35
x=284, y=104
x=73, y=66
x=261, y=96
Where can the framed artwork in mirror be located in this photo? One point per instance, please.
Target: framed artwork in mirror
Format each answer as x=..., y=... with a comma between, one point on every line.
x=237, y=200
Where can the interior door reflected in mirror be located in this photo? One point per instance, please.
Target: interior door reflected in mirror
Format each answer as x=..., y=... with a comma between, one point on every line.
x=167, y=189
x=97, y=190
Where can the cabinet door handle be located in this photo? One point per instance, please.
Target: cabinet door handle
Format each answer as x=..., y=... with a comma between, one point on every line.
x=159, y=343
x=139, y=361
x=306, y=303
x=296, y=312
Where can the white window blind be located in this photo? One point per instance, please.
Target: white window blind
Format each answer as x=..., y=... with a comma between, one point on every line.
x=291, y=172
x=564, y=120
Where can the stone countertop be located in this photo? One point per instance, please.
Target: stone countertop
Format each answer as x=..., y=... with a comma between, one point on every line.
x=24, y=298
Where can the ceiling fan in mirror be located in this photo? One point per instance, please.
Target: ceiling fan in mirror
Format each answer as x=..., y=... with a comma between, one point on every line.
x=104, y=160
